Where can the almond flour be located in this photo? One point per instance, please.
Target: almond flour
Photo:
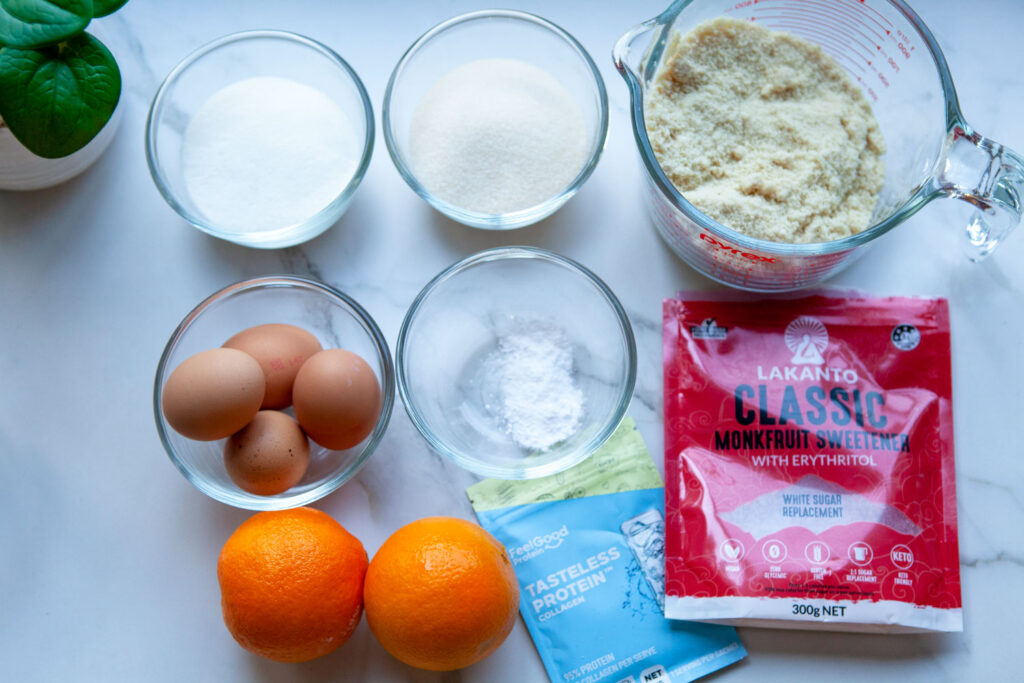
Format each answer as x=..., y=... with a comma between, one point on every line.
x=765, y=133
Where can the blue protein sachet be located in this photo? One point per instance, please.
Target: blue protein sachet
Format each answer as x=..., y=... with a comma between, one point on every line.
x=588, y=550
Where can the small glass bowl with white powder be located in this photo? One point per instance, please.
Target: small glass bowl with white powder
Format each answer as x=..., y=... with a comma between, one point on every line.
x=496, y=118
x=516, y=363
x=260, y=138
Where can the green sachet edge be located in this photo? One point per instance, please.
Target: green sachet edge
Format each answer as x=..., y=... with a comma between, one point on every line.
x=623, y=463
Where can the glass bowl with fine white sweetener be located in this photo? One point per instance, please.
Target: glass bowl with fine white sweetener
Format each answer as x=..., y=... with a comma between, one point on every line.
x=495, y=118
x=260, y=138
x=516, y=363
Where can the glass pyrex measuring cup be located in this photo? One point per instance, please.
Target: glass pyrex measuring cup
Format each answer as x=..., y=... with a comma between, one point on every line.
x=931, y=150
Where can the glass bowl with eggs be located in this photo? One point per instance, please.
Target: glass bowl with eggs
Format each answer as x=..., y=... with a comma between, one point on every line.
x=495, y=118
x=273, y=392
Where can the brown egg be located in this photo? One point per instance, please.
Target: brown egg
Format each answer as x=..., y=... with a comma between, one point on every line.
x=337, y=398
x=281, y=350
x=213, y=394
x=269, y=455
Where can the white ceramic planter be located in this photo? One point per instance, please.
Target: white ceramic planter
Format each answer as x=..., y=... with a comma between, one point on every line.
x=20, y=169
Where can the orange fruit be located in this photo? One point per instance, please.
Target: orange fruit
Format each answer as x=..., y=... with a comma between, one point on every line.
x=441, y=594
x=291, y=584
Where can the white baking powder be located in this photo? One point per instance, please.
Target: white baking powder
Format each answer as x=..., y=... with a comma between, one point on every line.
x=497, y=136
x=539, y=401
x=266, y=153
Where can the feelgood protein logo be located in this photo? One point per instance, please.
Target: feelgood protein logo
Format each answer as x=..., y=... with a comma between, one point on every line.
x=537, y=545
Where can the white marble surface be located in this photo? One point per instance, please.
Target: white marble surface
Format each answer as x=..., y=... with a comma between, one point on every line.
x=107, y=555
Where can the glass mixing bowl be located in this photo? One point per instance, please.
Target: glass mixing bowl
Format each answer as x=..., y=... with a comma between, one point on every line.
x=931, y=150
x=489, y=34
x=454, y=326
x=332, y=317
x=231, y=59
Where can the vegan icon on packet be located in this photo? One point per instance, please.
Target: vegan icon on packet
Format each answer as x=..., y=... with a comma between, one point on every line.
x=588, y=549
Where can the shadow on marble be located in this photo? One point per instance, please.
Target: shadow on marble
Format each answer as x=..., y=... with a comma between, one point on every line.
x=405, y=462
x=343, y=244
x=219, y=521
x=849, y=647
x=557, y=233
x=21, y=211
x=361, y=658
x=344, y=241
x=689, y=279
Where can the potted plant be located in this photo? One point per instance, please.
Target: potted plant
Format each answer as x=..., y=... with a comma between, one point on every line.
x=59, y=88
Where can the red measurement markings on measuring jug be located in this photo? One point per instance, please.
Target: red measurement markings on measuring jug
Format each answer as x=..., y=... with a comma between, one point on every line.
x=829, y=13
x=833, y=40
x=903, y=44
x=855, y=33
x=845, y=34
x=901, y=41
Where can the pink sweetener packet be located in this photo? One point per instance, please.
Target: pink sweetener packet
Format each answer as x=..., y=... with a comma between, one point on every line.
x=809, y=464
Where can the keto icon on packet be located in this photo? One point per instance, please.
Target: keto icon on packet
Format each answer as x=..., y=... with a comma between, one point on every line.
x=588, y=549
x=809, y=464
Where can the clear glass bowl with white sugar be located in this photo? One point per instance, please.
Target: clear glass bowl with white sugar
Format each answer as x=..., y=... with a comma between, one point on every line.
x=495, y=118
x=260, y=138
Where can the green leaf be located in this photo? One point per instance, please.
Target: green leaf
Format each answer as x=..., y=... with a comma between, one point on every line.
x=35, y=23
x=55, y=100
x=101, y=8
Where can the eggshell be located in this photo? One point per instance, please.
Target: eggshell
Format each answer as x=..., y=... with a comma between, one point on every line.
x=337, y=398
x=269, y=455
x=280, y=350
x=213, y=394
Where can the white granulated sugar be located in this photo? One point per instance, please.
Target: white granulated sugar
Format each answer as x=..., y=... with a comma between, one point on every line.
x=497, y=136
x=266, y=153
x=539, y=401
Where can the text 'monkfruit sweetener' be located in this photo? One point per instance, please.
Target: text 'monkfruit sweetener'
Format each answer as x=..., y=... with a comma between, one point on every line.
x=809, y=464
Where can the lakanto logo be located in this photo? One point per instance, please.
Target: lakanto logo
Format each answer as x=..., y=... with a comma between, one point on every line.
x=734, y=251
x=537, y=545
x=807, y=338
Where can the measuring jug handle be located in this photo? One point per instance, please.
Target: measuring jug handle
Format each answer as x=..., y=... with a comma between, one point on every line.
x=990, y=177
